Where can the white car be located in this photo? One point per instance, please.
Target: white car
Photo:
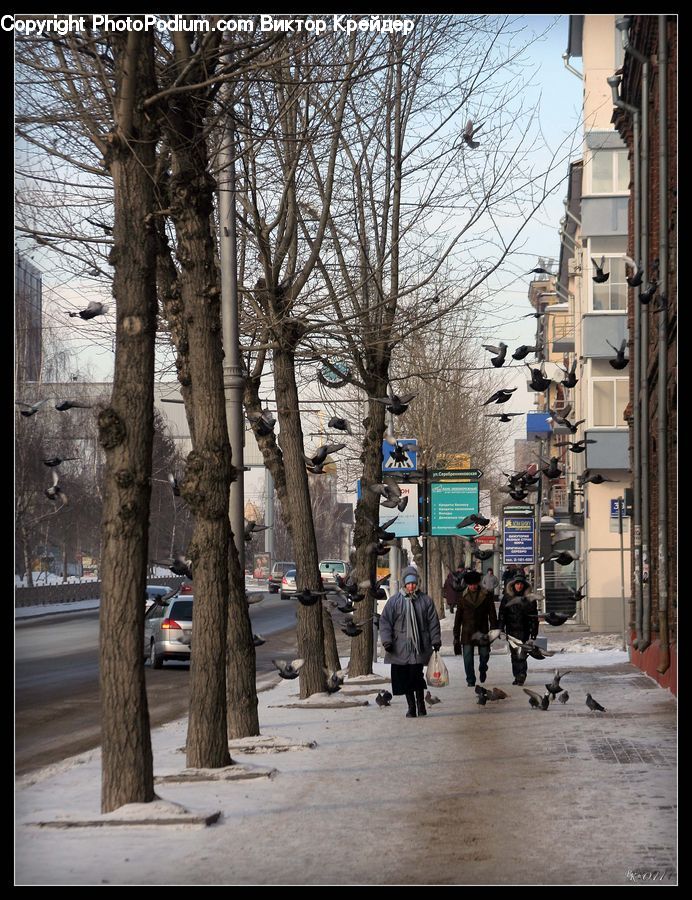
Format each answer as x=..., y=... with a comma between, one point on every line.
x=330, y=568
x=288, y=585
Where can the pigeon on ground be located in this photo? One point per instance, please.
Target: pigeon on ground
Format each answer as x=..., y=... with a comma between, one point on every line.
x=536, y=701
x=252, y=528
x=564, y=697
x=468, y=133
x=554, y=687
x=600, y=277
x=258, y=640
x=473, y=519
x=31, y=408
x=93, y=309
x=500, y=351
x=498, y=694
x=288, y=669
x=306, y=597
x=54, y=492
x=596, y=478
x=504, y=416
x=397, y=405
x=553, y=618
x=501, y=396
x=262, y=422
x=482, y=699
x=594, y=704
x=56, y=460
x=430, y=700
x=64, y=405
x=339, y=424
x=523, y=351
x=620, y=360
x=635, y=279
x=383, y=698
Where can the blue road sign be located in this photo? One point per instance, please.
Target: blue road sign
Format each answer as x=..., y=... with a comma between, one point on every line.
x=518, y=540
x=401, y=458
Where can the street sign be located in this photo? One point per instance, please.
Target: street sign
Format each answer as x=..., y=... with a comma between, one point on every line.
x=614, y=509
x=518, y=510
x=450, y=502
x=456, y=475
x=402, y=458
x=407, y=523
x=518, y=540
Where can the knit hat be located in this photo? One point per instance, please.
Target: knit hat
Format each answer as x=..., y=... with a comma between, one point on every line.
x=519, y=580
x=472, y=577
x=410, y=575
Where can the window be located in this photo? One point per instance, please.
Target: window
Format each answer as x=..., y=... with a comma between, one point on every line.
x=610, y=396
x=610, y=172
x=612, y=294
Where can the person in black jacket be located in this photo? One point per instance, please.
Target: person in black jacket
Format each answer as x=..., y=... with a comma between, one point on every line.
x=475, y=617
x=518, y=617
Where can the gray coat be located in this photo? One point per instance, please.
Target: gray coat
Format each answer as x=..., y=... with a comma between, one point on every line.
x=393, y=628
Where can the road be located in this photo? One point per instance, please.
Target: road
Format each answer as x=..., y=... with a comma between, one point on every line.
x=57, y=711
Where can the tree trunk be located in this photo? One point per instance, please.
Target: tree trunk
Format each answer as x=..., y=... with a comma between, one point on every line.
x=331, y=650
x=434, y=587
x=126, y=433
x=206, y=485
x=310, y=628
x=417, y=550
x=27, y=556
x=368, y=508
x=241, y=675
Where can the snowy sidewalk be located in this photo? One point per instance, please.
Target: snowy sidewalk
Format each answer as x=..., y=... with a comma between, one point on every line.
x=500, y=794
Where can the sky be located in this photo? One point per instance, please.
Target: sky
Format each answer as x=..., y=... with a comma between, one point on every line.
x=359, y=796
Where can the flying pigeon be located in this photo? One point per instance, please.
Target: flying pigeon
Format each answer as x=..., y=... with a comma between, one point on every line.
x=430, y=700
x=320, y=455
x=523, y=351
x=600, y=277
x=468, y=133
x=539, y=382
x=93, y=309
x=498, y=694
x=635, y=279
x=648, y=295
x=572, y=426
x=579, y=594
x=63, y=405
x=594, y=704
x=31, y=408
x=576, y=446
x=501, y=352
x=381, y=532
x=308, y=598
x=379, y=548
x=484, y=640
x=501, y=396
x=570, y=380
x=252, y=528
x=351, y=629
x=554, y=687
x=339, y=424
x=262, y=422
x=552, y=470
x=620, y=360
x=258, y=640
x=564, y=557
x=399, y=453
x=383, y=698
x=473, y=519
x=503, y=416
x=55, y=491
x=564, y=697
x=555, y=619
x=179, y=566
x=397, y=405
x=539, y=271
x=56, y=460
x=335, y=679
x=596, y=478
x=288, y=669
x=536, y=701
x=391, y=491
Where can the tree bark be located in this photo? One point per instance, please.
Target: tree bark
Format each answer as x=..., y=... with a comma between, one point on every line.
x=241, y=673
x=126, y=434
x=434, y=587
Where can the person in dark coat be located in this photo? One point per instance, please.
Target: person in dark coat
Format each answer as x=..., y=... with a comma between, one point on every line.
x=519, y=617
x=410, y=631
x=475, y=616
x=453, y=587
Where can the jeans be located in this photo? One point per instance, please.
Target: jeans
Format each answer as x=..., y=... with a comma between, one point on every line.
x=483, y=657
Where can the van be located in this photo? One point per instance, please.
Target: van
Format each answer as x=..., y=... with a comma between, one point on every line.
x=278, y=571
x=330, y=568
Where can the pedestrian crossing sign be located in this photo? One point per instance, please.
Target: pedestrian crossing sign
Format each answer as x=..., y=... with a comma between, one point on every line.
x=401, y=457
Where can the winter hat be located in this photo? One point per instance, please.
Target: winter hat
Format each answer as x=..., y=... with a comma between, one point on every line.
x=472, y=577
x=519, y=580
x=409, y=575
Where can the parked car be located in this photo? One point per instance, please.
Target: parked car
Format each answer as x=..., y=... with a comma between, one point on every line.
x=381, y=603
x=288, y=585
x=168, y=631
x=155, y=590
x=278, y=571
x=330, y=568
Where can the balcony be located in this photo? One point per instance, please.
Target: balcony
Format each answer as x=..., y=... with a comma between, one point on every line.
x=612, y=450
x=597, y=329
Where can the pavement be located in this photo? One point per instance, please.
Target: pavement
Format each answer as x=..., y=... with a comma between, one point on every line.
x=338, y=793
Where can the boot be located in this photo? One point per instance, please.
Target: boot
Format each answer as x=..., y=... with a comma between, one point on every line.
x=411, y=714
x=422, y=711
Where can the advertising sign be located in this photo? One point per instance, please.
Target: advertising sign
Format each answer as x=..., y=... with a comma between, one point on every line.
x=450, y=502
x=407, y=524
x=518, y=540
x=260, y=567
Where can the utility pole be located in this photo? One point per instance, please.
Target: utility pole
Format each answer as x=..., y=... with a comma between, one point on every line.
x=621, y=504
x=232, y=370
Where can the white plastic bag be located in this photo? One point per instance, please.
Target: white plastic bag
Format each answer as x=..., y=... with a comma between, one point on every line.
x=436, y=674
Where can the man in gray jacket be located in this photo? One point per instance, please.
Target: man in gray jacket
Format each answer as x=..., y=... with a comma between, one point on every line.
x=410, y=631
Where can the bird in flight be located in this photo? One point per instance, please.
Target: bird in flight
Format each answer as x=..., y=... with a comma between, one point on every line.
x=570, y=380
x=339, y=424
x=536, y=701
x=576, y=446
x=253, y=528
x=634, y=279
x=54, y=492
x=288, y=669
x=262, y=422
x=395, y=403
x=555, y=619
x=473, y=519
x=64, y=405
x=596, y=478
x=501, y=352
x=503, y=416
x=523, y=351
x=539, y=270
x=31, y=408
x=56, y=460
x=501, y=396
x=554, y=687
x=308, y=598
x=620, y=360
x=94, y=308
x=391, y=491
x=468, y=133
x=539, y=382
x=600, y=277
